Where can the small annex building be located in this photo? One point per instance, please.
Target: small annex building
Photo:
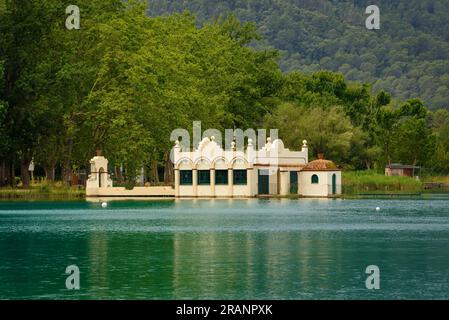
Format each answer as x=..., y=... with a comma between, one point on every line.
x=398, y=169
x=320, y=178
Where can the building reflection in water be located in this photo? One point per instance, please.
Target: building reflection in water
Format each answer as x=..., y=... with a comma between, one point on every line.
x=97, y=272
x=224, y=262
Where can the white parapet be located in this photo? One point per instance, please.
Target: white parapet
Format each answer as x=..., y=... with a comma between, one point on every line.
x=99, y=176
x=136, y=192
x=100, y=184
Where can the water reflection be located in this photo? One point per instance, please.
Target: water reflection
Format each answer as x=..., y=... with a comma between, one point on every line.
x=226, y=249
x=98, y=263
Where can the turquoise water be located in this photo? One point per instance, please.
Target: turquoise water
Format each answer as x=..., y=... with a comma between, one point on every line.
x=226, y=249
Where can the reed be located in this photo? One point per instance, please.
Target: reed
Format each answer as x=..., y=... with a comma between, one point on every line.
x=355, y=182
x=43, y=189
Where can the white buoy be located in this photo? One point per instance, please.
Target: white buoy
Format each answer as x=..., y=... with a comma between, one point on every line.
x=377, y=208
x=104, y=204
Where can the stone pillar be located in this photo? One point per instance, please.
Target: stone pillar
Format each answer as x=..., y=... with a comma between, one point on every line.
x=305, y=149
x=177, y=182
x=249, y=180
x=284, y=178
x=231, y=182
x=195, y=182
x=212, y=182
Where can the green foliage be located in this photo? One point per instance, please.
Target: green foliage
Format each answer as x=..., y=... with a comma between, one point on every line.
x=405, y=135
x=326, y=130
x=124, y=81
x=440, y=125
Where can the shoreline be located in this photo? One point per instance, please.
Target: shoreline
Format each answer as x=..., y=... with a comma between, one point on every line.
x=355, y=184
x=33, y=196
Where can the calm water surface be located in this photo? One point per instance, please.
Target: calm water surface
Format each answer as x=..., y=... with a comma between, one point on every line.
x=226, y=249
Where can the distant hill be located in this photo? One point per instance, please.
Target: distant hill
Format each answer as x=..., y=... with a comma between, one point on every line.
x=408, y=56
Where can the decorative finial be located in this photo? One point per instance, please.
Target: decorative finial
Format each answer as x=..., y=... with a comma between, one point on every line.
x=304, y=143
x=250, y=142
x=177, y=143
x=233, y=145
x=212, y=138
x=268, y=139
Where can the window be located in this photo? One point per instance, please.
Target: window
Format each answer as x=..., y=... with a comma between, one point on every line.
x=203, y=177
x=240, y=177
x=221, y=177
x=185, y=177
x=315, y=179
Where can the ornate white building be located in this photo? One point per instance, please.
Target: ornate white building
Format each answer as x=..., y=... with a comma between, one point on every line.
x=210, y=171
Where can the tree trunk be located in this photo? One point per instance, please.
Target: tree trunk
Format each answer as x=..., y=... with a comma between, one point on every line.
x=2, y=173
x=169, y=170
x=155, y=172
x=66, y=169
x=66, y=173
x=368, y=164
x=24, y=173
x=118, y=174
x=8, y=174
x=12, y=175
x=50, y=173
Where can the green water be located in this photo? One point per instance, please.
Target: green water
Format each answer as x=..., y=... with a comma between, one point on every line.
x=226, y=249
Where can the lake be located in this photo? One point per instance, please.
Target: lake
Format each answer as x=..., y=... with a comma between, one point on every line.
x=226, y=249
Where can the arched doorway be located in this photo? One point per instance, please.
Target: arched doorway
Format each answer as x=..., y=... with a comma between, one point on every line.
x=334, y=183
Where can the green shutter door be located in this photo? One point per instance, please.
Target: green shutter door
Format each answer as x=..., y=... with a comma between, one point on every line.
x=293, y=182
x=263, y=182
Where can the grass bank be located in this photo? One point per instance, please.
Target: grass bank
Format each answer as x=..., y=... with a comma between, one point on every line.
x=363, y=182
x=436, y=179
x=43, y=190
x=354, y=183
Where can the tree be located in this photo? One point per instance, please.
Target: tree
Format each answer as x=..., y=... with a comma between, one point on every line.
x=327, y=131
x=440, y=126
x=24, y=27
x=413, y=141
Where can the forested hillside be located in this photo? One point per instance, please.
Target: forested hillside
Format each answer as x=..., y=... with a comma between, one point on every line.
x=408, y=56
